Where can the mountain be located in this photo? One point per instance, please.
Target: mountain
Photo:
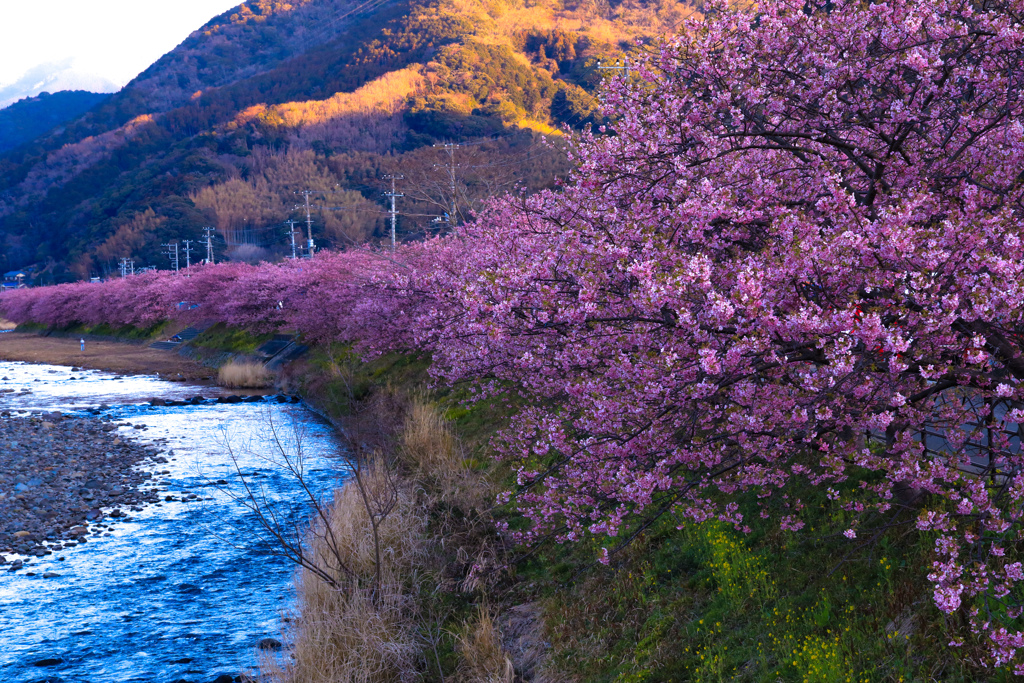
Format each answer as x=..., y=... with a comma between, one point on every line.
x=29, y=118
x=53, y=77
x=273, y=98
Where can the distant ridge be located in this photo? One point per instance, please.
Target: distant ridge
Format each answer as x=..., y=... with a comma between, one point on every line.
x=29, y=118
x=52, y=78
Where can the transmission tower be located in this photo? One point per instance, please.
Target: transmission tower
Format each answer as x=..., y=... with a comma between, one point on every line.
x=393, y=195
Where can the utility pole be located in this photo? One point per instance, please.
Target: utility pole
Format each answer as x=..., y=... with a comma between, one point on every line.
x=392, y=195
x=172, y=254
x=291, y=234
x=624, y=67
x=618, y=67
x=209, y=244
x=450, y=148
x=188, y=253
x=124, y=267
x=310, y=247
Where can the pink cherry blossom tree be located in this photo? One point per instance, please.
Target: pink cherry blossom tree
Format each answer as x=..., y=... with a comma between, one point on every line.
x=796, y=259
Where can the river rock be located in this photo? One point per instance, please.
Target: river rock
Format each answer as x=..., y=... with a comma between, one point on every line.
x=49, y=661
x=272, y=644
x=49, y=478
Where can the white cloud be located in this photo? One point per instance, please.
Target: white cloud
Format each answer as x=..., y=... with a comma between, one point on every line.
x=110, y=39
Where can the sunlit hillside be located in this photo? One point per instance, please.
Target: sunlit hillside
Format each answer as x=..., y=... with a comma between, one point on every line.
x=348, y=92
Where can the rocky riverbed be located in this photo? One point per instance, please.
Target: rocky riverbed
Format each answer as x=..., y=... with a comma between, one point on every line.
x=59, y=475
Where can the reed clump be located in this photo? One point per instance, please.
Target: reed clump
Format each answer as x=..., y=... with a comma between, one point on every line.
x=244, y=375
x=434, y=457
x=484, y=660
x=367, y=598
x=356, y=615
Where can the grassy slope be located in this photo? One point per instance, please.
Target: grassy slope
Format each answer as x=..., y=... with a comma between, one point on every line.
x=705, y=603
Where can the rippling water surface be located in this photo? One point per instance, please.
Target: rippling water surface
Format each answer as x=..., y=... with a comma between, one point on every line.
x=182, y=590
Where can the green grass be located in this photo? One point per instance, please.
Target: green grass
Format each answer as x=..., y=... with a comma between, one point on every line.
x=125, y=332
x=707, y=603
x=220, y=337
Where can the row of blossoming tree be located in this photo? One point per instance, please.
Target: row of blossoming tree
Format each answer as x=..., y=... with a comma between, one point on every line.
x=795, y=261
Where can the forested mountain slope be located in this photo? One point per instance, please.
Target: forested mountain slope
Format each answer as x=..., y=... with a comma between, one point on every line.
x=323, y=95
x=30, y=117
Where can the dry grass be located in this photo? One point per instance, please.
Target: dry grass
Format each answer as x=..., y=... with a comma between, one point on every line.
x=400, y=531
x=484, y=660
x=428, y=444
x=244, y=375
x=434, y=455
x=362, y=617
x=361, y=632
x=356, y=635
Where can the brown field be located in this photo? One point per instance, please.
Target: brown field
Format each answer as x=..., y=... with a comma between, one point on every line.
x=99, y=355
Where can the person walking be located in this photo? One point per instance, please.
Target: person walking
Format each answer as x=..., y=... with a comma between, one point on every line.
x=82, y=343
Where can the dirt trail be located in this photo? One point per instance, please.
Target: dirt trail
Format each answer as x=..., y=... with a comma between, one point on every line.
x=100, y=355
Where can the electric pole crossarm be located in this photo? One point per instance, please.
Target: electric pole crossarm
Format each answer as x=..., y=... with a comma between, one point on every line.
x=172, y=254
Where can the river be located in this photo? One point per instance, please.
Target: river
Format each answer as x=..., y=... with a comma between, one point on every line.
x=184, y=590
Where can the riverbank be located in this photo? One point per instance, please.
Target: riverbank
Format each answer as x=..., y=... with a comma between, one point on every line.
x=59, y=474
x=119, y=357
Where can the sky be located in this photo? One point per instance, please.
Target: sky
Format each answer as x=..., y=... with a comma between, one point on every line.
x=113, y=40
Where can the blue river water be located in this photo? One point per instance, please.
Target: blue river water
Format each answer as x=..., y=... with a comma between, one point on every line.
x=184, y=590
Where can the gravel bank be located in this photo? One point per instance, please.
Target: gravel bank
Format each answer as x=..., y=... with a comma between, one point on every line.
x=59, y=474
